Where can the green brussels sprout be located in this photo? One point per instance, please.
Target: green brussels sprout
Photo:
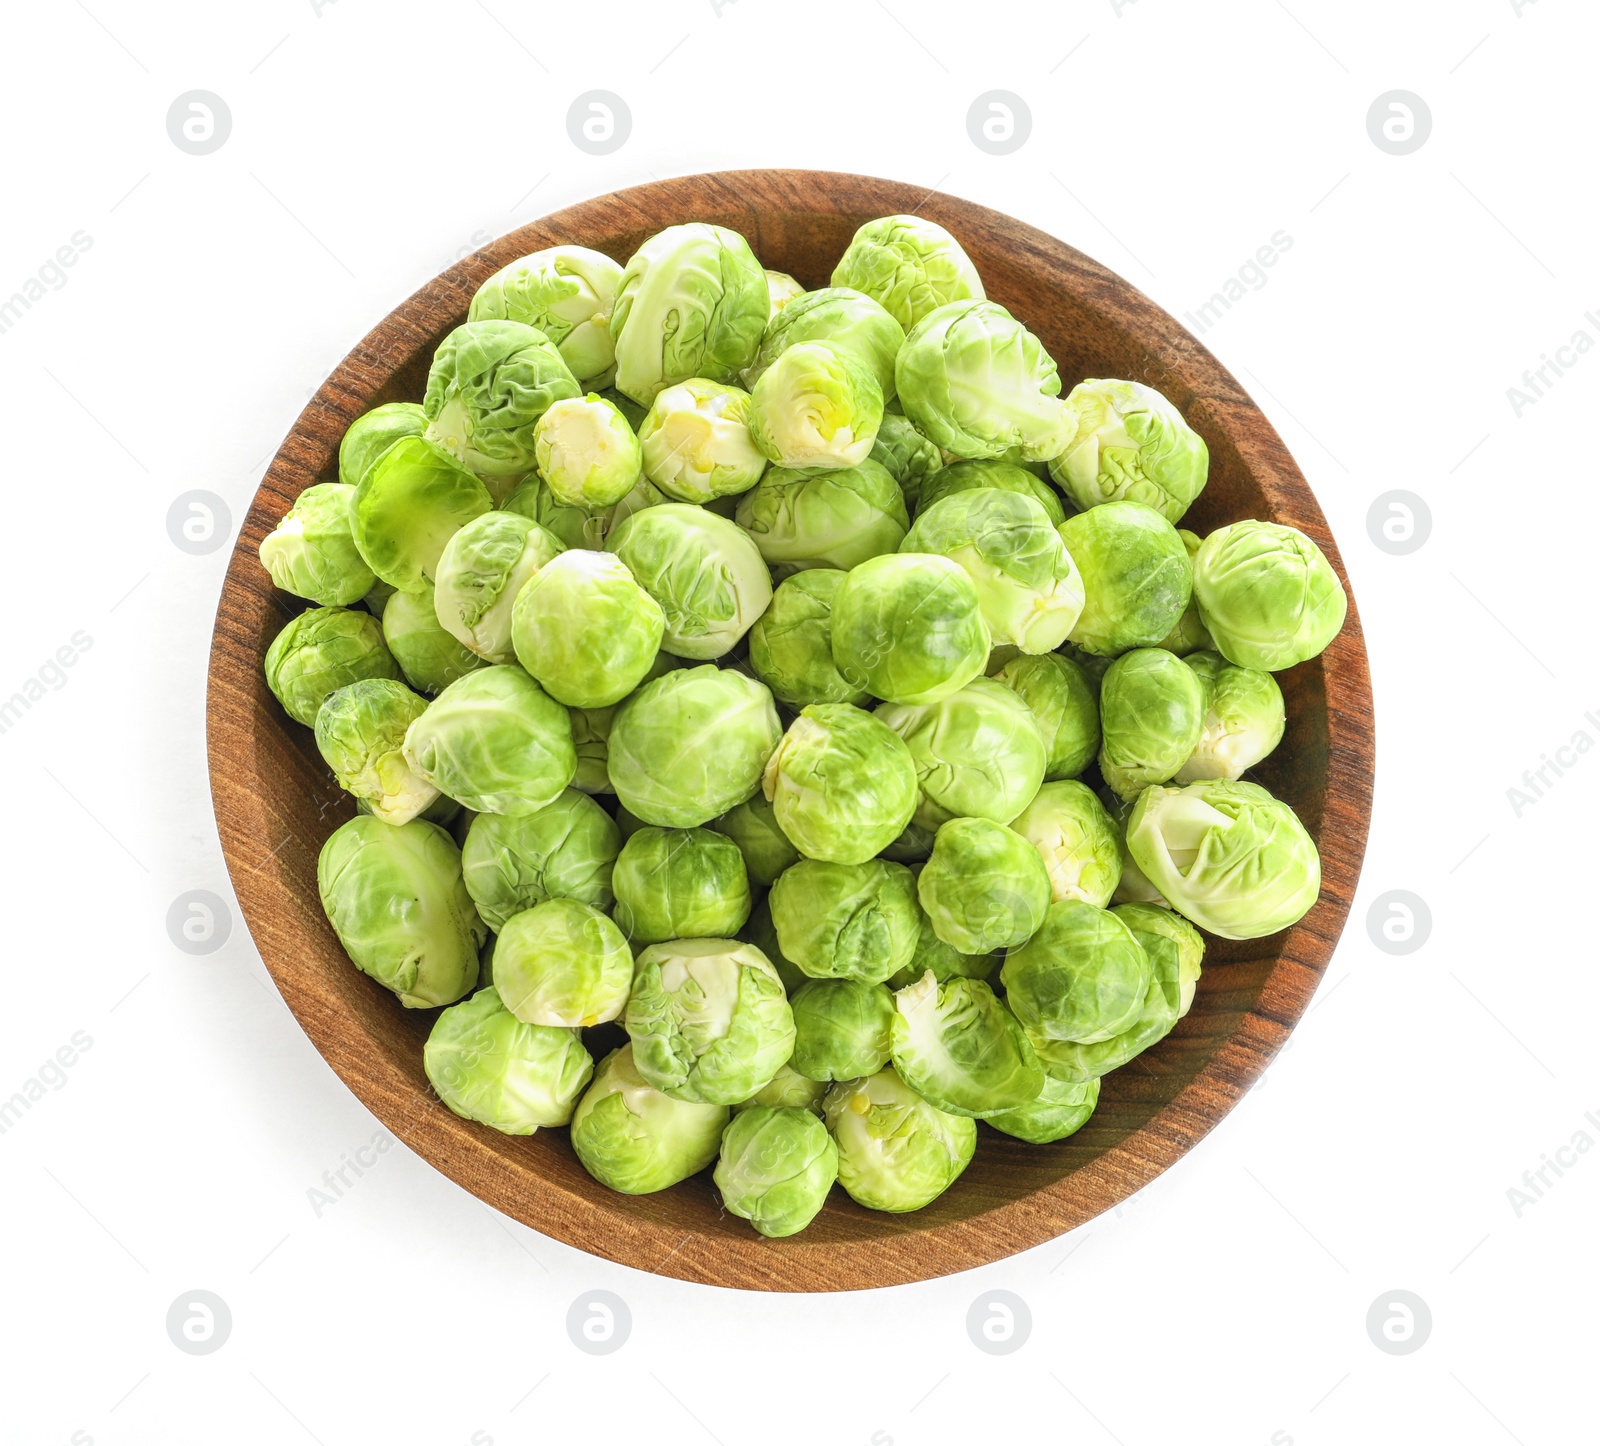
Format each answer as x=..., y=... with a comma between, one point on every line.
x=634, y=1139
x=570, y=526
x=1130, y=444
x=481, y=571
x=709, y=1019
x=961, y=1049
x=911, y=459
x=1244, y=719
x=914, y=844
x=1028, y=585
x=978, y=383
x=430, y=658
x=763, y=933
x=360, y=729
x=692, y=302
x=787, y=1091
x=489, y=384
x=563, y=963
x=842, y=785
x=680, y=883
x=585, y=629
x=764, y=846
x=908, y=628
x=373, y=433
x=977, y=474
x=791, y=644
x=704, y=571
x=1077, y=840
x=697, y=444
x=818, y=405
x=320, y=651
x=933, y=955
x=782, y=288
x=394, y=895
x=831, y=519
x=897, y=1152
x=1267, y=595
x=1228, y=856
x=1062, y=1109
x=908, y=266
x=1064, y=706
x=513, y=861
x=978, y=753
x=846, y=921
x=1188, y=634
x=985, y=887
x=841, y=1028
x=587, y=453
x=1132, y=887
x=842, y=317
x=312, y=552
x=691, y=744
x=1081, y=978
x=1136, y=576
x=409, y=504
x=1152, y=705
x=495, y=741
x=487, y=1065
x=567, y=293
x=776, y=1168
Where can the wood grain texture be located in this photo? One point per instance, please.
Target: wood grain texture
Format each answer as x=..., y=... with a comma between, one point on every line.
x=275, y=802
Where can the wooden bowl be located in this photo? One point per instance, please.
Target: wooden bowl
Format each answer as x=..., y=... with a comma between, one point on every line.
x=275, y=802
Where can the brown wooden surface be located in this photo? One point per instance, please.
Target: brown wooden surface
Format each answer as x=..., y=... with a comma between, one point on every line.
x=275, y=802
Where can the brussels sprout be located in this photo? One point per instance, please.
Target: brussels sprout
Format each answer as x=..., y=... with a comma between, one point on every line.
x=1063, y=705
x=1243, y=723
x=976, y=474
x=394, y=895
x=1267, y=595
x=709, y=1019
x=430, y=658
x=842, y=784
x=359, y=732
x=373, y=433
x=1129, y=443
x=1136, y=576
x=824, y=519
x=495, y=741
x=1062, y=1109
x=680, y=883
x=911, y=459
x=564, y=851
x=908, y=266
x=908, y=628
x=787, y=1091
x=791, y=644
x=635, y=1139
x=841, y=1028
x=567, y=293
x=985, y=888
x=570, y=526
x=1228, y=856
x=933, y=955
x=960, y=1048
x=588, y=455
x=705, y=572
x=914, y=844
x=481, y=571
x=407, y=507
x=977, y=382
x=320, y=651
x=761, y=932
x=817, y=405
x=489, y=384
x=897, y=1152
x=1188, y=634
x=1077, y=840
x=846, y=921
x=692, y=302
x=782, y=288
x=487, y=1065
x=842, y=317
x=697, y=444
x=312, y=553
x=1151, y=707
x=776, y=1168
x=1081, y=978
x=563, y=963
x=1028, y=585
x=691, y=744
x=978, y=753
x=765, y=848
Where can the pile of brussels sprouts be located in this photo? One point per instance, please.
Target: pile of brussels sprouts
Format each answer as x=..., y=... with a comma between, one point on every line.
x=796, y=679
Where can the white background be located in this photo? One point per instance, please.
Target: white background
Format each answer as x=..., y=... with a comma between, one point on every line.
x=373, y=144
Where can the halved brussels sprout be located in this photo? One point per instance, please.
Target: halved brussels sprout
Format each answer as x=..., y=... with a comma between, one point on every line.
x=985, y=887
x=791, y=644
x=787, y=1091
x=842, y=317
x=1267, y=595
x=409, y=504
x=481, y=571
x=831, y=519
x=846, y=921
x=977, y=473
x=908, y=266
x=563, y=963
x=587, y=453
x=1136, y=576
x=841, y=1028
x=776, y=1168
x=1152, y=705
x=897, y=1152
x=360, y=729
x=1129, y=443
x=1081, y=978
x=1077, y=840
x=566, y=850
x=818, y=405
x=1244, y=719
x=680, y=883
x=373, y=433
x=911, y=459
x=1062, y=702
x=1062, y=1109
x=961, y=1049
x=567, y=293
x=312, y=552
x=430, y=658
x=764, y=846
x=782, y=288
x=697, y=444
